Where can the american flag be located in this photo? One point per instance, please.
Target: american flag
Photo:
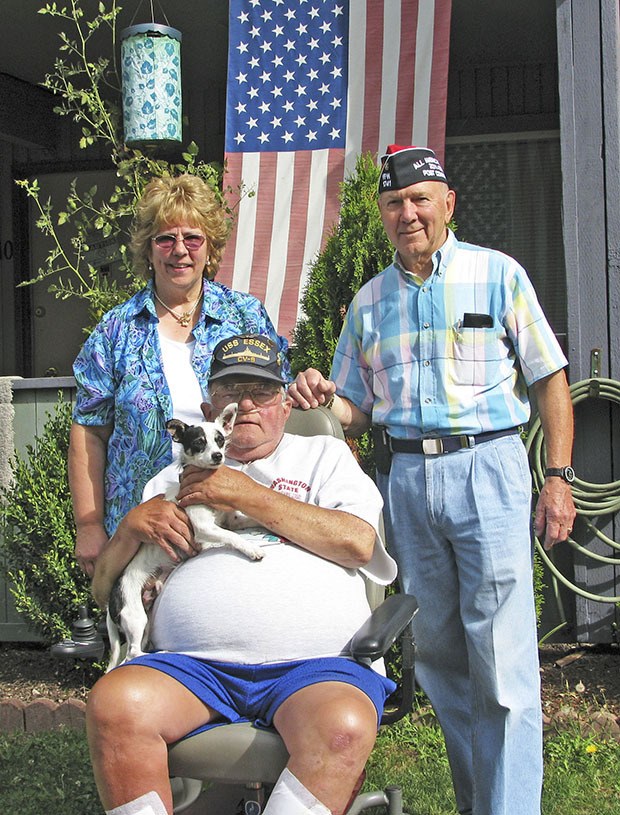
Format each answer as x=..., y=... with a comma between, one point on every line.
x=311, y=85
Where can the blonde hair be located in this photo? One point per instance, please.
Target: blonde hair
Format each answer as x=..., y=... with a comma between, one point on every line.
x=169, y=200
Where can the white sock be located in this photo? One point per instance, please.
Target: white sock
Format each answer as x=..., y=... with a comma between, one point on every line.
x=149, y=804
x=290, y=797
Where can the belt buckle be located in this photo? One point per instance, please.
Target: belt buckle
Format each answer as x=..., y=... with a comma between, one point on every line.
x=432, y=447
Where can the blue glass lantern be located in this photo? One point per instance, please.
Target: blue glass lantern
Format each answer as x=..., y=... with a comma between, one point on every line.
x=151, y=81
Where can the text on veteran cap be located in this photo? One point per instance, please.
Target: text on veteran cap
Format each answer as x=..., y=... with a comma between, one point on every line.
x=247, y=354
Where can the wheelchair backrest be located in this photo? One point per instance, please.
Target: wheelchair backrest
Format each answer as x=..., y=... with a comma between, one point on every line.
x=316, y=422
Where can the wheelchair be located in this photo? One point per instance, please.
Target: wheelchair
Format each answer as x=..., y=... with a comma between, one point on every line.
x=248, y=760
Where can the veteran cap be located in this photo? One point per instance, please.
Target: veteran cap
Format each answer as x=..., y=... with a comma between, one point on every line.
x=247, y=354
x=403, y=166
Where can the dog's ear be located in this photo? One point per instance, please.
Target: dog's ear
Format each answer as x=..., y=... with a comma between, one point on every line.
x=227, y=417
x=176, y=428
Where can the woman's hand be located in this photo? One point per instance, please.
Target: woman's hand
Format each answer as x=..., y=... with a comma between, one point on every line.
x=89, y=542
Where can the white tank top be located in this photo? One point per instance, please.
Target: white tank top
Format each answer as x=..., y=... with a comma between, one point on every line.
x=182, y=381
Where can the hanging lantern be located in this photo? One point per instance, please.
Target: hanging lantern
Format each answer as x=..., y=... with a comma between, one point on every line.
x=151, y=80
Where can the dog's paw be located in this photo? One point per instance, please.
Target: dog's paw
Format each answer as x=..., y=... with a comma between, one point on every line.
x=256, y=554
x=133, y=654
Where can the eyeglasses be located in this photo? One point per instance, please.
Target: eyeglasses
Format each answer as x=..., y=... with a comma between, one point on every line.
x=167, y=242
x=261, y=393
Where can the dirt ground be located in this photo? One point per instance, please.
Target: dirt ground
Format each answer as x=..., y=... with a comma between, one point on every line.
x=580, y=683
x=29, y=672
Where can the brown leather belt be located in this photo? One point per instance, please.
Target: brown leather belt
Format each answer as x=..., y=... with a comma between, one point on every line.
x=447, y=444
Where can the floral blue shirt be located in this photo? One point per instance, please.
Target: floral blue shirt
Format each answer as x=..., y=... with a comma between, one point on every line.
x=121, y=382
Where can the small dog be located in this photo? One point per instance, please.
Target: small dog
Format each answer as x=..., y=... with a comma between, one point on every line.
x=203, y=446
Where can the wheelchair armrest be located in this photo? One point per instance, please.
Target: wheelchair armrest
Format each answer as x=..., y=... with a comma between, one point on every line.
x=383, y=627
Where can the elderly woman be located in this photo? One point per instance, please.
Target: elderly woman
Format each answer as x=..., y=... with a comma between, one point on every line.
x=148, y=359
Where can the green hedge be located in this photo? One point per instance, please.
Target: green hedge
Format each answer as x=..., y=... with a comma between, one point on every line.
x=38, y=532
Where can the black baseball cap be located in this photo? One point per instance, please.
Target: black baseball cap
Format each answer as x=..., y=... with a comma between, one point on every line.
x=247, y=354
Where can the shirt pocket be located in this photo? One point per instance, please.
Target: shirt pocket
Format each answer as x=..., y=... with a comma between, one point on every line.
x=475, y=354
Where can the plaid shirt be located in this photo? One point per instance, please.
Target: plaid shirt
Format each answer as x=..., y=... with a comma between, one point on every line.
x=448, y=355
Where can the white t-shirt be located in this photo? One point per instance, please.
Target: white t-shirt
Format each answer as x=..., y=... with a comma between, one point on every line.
x=292, y=604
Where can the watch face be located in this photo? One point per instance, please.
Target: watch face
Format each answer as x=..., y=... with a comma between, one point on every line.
x=569, y=474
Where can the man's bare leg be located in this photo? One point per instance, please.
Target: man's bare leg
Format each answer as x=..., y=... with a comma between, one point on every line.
x=329, y=730
x=132, y=715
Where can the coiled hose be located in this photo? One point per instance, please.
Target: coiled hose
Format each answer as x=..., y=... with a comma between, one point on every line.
x=591, y=500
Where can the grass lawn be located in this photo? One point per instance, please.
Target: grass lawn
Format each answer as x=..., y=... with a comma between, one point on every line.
x=582, y=775
x=49, y=773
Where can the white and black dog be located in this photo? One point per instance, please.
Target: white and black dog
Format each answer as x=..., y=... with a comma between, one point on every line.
x=203, y=446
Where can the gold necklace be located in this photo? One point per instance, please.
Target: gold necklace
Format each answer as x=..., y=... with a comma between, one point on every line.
x=185, y=316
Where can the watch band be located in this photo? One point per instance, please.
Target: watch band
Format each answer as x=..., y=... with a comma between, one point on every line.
x=566, y=473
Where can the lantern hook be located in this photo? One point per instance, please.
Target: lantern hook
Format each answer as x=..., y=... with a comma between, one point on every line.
x=150, y=2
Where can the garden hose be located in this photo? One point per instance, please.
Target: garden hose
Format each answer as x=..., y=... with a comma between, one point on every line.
x=591, y=500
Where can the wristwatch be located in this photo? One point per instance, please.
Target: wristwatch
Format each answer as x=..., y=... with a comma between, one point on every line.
x=567, y=473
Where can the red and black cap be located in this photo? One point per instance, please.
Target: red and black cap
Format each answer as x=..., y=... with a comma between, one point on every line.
x=403, y=166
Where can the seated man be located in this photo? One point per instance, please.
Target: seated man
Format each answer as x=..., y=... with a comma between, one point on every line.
x=237, y=639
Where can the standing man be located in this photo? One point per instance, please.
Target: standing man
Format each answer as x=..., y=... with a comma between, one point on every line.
x=437, y=353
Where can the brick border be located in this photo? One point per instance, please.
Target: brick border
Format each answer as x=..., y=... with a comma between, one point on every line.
x=41, y=715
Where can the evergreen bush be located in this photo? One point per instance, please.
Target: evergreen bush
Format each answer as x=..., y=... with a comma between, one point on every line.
x=37, y=533
x=355, y=251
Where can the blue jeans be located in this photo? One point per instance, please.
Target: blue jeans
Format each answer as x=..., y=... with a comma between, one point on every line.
x=459, y=526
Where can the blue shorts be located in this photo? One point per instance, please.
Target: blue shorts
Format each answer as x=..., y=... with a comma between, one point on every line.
x=241, y=693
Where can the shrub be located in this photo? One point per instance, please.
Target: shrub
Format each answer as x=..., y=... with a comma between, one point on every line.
x=355, y=251
x=38, y=532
